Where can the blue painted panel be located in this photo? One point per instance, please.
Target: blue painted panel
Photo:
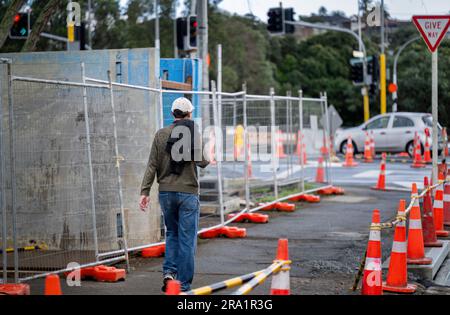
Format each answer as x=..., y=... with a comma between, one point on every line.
x=179, y=70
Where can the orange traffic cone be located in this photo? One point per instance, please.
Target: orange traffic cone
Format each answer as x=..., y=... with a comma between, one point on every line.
x=381, y=183
x=52, y=285
x=324, y=148
x=320, y=178
x=349, y=162
x=372, y=270
x=280, y=281
x=367, y=150
x=416, y=250
x=429, y=230
x=301, y=148
x=173, y=287
x=438, y=208
x=417, y=161
x=427, y=154
x=372, y=144
x=280, y=146
x=397, y=277
x=447, y=204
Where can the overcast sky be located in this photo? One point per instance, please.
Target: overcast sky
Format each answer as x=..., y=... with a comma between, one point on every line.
x=402, y=9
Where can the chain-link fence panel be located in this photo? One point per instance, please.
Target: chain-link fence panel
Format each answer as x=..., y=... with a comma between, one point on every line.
x=51, y=187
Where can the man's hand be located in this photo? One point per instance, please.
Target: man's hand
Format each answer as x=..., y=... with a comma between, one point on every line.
x=143, y=202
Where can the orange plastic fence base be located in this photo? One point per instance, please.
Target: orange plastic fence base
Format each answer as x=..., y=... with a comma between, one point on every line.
x=225, y=231
x=155, y=251
x=14, y=289
x=109, y=274
x=306, y=197
x=280, y=206
x=249, y=217
x=331, y=191
x=102, y=273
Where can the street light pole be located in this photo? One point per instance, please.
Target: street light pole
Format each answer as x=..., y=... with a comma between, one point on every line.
x=394, y=78
x=382, y=65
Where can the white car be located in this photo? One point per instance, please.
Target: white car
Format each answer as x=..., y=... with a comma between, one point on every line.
x=393, y=132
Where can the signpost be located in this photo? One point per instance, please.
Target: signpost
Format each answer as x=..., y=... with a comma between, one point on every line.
x=433, y=29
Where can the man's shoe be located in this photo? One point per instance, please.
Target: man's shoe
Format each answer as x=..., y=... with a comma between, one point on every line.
x=167, y=278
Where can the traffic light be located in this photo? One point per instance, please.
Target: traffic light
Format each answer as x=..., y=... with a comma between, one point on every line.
x=21, y=26
x=373, y=68
x=181, y=25
x=193, y=27
x=357, y=71
x=289, y=16
x=275, y=22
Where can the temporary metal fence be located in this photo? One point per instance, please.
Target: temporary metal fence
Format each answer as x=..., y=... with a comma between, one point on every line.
x=72, y=155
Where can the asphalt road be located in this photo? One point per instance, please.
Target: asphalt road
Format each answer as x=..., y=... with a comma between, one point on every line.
x=326, y=241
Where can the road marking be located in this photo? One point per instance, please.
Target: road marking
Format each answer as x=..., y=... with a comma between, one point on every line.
x=370, y=174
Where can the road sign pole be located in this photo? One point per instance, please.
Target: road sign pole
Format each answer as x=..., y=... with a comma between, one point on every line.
x=434, y=110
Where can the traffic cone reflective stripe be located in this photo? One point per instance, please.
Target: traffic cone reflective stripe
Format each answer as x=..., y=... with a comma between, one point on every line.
x=429, y=230
x=397, y=277
x=416, y=250
x=447, y=204
x=438, y=208
x=320, y=178
x=281, y=281
x=372, y=270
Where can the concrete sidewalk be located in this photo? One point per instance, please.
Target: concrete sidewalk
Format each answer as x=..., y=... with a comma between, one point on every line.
x=326, y=241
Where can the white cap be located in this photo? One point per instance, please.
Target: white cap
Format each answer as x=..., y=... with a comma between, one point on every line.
x=182, y=104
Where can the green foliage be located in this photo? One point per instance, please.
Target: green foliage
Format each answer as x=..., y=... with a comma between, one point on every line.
x=251, y=56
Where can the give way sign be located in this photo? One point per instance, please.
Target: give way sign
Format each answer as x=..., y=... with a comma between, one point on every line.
x=432, y=28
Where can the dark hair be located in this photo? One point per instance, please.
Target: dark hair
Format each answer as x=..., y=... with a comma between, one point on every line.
x=179, y=114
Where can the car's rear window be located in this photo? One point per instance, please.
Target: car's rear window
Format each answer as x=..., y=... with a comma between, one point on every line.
x=428, y=121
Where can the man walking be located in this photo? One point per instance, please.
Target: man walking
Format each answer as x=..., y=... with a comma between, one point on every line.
x=176, y=152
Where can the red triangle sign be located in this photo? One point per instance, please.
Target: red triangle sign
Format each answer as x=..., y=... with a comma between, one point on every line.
x=432, y=28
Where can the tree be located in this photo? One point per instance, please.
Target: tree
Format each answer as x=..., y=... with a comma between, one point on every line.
x=7, y=20
x=41, y=22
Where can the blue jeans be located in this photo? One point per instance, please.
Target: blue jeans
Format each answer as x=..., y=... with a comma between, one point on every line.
x=181, y=214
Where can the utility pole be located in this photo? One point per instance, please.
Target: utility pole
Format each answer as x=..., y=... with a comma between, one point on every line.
x=89, y=23
x=382, y=64
x=364, y=90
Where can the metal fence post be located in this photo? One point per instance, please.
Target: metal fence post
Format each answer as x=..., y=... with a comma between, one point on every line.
x=89, y=153
x=3, y=197
x=247, y=147
x=218, y=151
x=12, y=154
x=302, y=162
x=328, y=138
x=119, y=179
x=234, y=132
x=273, y=142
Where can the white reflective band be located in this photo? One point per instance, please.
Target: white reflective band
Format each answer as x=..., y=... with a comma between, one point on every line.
x=447, y=197
x=401, y=224
x=399, y=247
x=374, y=236
x=281, y=280
x=373, y=264
x=438, y=204
x=415, y=224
